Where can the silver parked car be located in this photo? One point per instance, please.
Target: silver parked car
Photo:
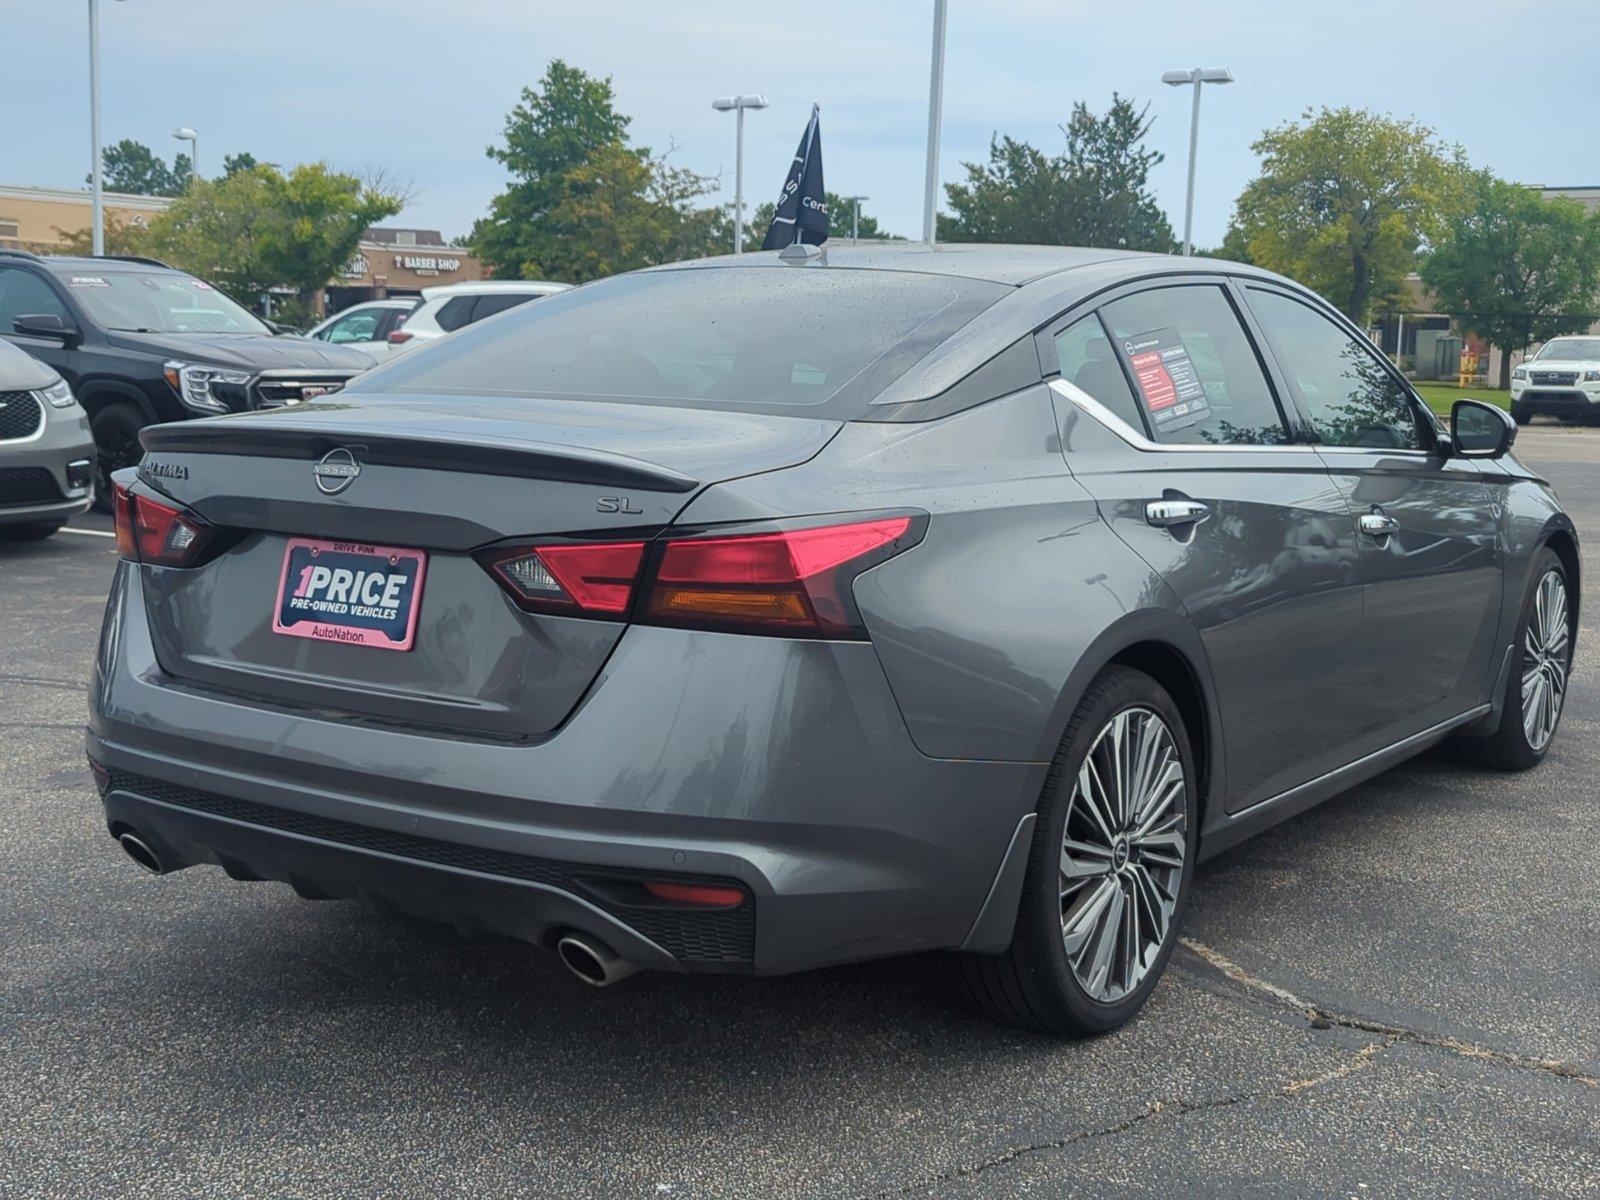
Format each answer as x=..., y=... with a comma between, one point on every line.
x=46, y=450
x=760, y=614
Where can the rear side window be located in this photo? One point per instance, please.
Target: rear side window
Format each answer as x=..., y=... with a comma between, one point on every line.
x=1087, y=361
x=1351, y=397
x=455, y=313
x=487, y=306
x=811, y=341
x=1196, y=374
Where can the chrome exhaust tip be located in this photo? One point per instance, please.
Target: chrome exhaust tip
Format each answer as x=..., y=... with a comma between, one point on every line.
x=591, y=961
x=137, y=849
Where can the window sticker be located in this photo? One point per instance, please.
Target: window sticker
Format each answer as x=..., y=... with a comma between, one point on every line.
x=86, y=281
x=1168, y=383
x=202, y=285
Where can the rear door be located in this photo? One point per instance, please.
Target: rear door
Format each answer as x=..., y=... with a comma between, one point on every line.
x=1427, y=523
x=1196, y=467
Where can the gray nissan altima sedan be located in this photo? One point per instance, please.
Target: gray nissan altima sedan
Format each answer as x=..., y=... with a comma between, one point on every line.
x=758, y=614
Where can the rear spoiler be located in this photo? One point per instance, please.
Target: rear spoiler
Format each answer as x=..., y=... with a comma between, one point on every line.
x=435, y=452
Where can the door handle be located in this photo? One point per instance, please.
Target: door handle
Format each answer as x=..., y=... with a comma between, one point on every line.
x=1377, y=524
x=1164, y=514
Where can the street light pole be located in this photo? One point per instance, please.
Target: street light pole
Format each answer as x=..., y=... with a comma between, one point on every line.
x=855, y=215
x=185, y=134
x=1196, y=78
x=97, y=236
x=935, y=111
x=737, y=105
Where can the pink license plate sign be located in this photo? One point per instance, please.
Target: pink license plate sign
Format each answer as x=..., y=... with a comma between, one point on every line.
x=350, y=592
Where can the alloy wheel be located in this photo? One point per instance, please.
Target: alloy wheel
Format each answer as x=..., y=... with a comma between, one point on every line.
x=1546, y=643
x=1122, y=855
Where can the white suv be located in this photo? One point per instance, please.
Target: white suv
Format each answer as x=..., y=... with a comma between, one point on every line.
x=456, y=305
x=365, y=327
x=1563, y=379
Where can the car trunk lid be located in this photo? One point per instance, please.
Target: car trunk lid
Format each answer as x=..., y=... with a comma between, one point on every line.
x=447, y=479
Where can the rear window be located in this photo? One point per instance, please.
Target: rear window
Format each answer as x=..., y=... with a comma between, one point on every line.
x=498, y=302
x=800, y=340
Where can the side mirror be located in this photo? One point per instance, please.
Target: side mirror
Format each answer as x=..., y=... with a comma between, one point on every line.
x=44, y=325
x=1479, y=430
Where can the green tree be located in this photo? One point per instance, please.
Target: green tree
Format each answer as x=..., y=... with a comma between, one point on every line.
x=1094, y=193
x=1344, y=200
x=132, y=167
x=583, y=202
x=618, y=211
x=123, y=235
x=257, y=229
x=1519, y=268
x=551, y=133
x=1234, y=247
x=838, y=223
x=242, y=161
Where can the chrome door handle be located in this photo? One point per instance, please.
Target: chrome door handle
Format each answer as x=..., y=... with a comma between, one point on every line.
x=1377, y=524
x=1164, y=514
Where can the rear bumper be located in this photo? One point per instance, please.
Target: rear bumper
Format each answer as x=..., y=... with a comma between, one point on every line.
x=782, y=765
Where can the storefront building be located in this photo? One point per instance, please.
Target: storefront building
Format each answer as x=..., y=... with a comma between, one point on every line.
x=41, y=219
x=399, y=262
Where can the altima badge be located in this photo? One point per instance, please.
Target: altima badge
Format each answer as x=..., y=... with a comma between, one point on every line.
x=336, y=471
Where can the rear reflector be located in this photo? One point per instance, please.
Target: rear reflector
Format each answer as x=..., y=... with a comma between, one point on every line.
x=151, y=532
x=704, y=894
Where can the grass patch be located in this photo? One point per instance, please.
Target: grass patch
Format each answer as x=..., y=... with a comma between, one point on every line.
x=1440, y=396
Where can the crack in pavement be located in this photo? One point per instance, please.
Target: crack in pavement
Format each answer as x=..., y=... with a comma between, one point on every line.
x=1325, y=1018
x=36, y=681
x=1360, y=1061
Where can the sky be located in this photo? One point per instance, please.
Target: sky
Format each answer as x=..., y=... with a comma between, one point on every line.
x=417, y=89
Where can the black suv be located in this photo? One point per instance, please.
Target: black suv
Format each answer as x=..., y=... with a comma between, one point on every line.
x=142, y=343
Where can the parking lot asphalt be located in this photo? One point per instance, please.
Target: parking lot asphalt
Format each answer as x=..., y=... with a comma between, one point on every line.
x=1395, y=994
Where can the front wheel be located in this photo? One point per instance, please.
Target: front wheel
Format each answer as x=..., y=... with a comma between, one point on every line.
x=1108, y=874
x=116, y=442
x=1521, y=415
x=1536, y=690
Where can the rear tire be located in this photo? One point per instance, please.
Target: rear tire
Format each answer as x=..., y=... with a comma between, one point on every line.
x=35, y=531
x=116, y=441
x=1120, y=884
x=1540, y=662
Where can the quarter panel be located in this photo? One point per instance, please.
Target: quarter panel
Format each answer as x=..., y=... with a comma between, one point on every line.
x=980, y=626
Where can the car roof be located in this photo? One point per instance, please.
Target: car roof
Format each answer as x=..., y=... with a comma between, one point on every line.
x=104, y=263
x=475, y=287
x=996, y=262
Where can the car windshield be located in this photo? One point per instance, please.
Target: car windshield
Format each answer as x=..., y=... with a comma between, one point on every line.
x=158, y=302
x=1570, y=349
x=788, y=340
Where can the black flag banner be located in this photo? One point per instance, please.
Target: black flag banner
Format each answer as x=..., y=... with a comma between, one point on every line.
x=803, y=205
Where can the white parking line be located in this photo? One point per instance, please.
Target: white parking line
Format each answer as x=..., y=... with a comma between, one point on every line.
x=88, y=532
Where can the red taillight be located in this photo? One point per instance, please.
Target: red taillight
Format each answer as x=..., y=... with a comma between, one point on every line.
x=705, y=894
x=151, y=532
x=794, y=581
x=595, y=579
x=122, y=512
x=400, y=337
